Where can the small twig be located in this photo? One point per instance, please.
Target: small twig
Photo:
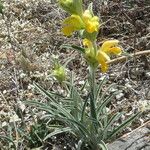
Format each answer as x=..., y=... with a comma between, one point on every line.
x=146, y=123
x=124, y=58
x=27, y=30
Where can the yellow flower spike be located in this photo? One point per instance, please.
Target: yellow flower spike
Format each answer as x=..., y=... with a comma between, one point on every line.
x=107, y=48
x=71, y=24
x=90, y=55
x=78, y=22
x=91, y=22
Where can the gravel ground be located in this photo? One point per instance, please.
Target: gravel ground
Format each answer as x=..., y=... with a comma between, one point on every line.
x=32, y=28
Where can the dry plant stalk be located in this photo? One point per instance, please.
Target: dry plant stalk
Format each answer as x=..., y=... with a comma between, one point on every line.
x=124, y=58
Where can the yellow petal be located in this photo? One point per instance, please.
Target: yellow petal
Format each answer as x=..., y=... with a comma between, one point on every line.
x=109, y=44
x=92, y=26
x=104, y=66
x=68, y=30
x=115, y=50
x=71, y=24
x=91, y=22
x=102, y=58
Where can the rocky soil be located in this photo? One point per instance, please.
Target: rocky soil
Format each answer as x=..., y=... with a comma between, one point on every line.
x=31, y=29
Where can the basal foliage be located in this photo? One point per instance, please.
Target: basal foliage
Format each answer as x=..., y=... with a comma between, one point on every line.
x=87, y=117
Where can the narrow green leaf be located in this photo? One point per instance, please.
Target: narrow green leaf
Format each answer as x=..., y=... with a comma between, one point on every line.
x=79, y=145
x=78, y=48
x=68, y=60
x=123, y=125
x=98, y=90
x=58, y=131
x=104, y=103
x=54, y=126
x=77, y=101
x=66, y=100
x=84, y=107
x=110, y=122
x=82, y=88
x=103, y=146
x=35, y=103
x=92, y=108
x=84, y=132
x=47, y=94
x=55, y=109
x=104, y=94
x=42, y=106
x=56, y=94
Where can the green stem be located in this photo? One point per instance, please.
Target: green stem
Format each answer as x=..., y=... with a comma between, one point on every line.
x=92, y=71
x=92, y=97
x=95, y=47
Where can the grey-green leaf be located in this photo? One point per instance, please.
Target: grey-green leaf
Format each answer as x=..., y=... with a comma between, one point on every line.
x=78, y=48
x=123, y=125
x=58, y=131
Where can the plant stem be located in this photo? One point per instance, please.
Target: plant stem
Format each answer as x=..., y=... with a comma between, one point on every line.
x=92, y=70
x=124, y=58
x=92, y=97
x=95, y=47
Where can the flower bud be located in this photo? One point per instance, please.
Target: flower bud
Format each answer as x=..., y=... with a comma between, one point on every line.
x=59, y=73
x=90, y=55
x=72, y=6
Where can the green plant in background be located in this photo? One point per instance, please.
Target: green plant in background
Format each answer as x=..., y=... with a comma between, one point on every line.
x=36, y=134
x=59, y=71
x=87, y=117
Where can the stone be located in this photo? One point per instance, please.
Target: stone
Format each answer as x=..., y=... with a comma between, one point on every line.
x=139, y=139
x=119, y=96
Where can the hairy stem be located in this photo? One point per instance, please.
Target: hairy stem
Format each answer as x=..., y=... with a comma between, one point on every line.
x=92, y=97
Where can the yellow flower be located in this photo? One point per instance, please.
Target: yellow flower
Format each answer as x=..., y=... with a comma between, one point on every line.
x=91, y=22
x=107, y=48
x=111, y=47
x=71, y=24
x=90, y=55
x=75, y=22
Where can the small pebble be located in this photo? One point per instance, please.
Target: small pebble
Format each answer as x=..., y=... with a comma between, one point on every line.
x=4, y=92
x=119, y=96
x=147, y=74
